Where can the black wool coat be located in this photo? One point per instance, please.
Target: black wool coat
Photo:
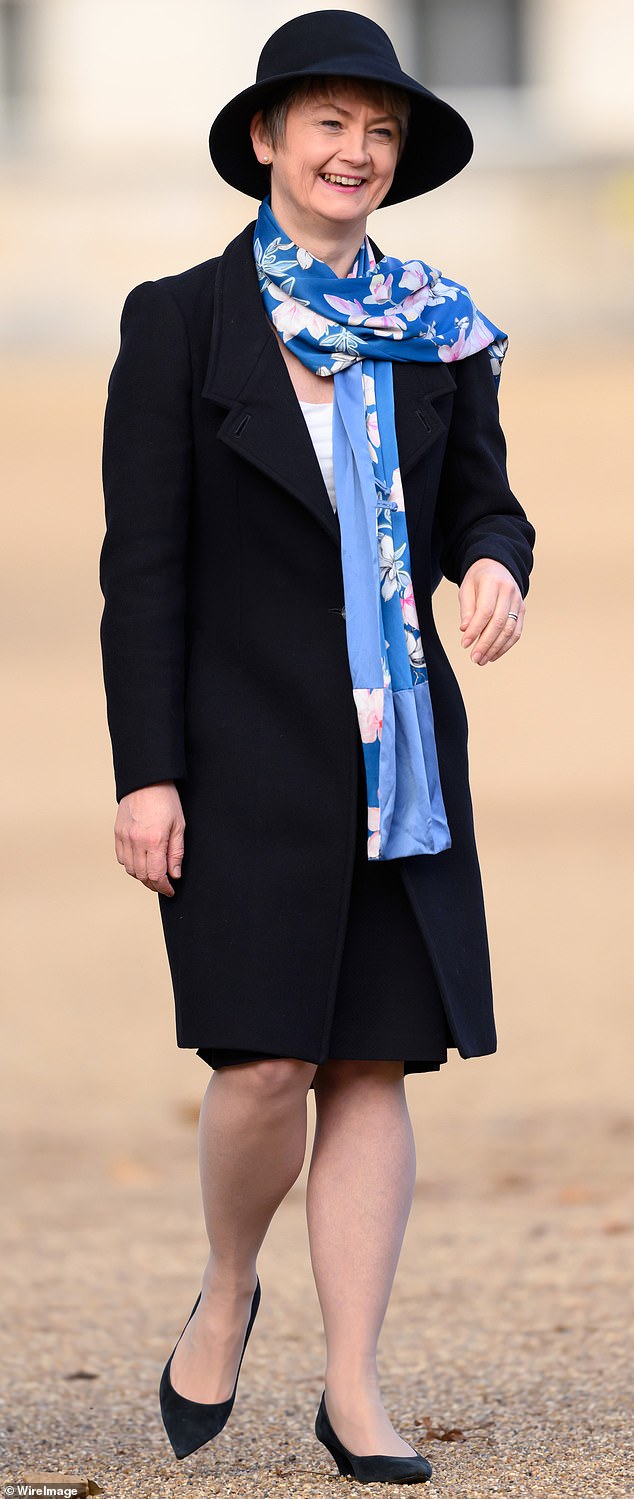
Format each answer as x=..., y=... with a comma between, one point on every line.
x=225, y=659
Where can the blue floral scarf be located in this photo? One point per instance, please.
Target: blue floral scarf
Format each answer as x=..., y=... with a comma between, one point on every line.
x=354, y=328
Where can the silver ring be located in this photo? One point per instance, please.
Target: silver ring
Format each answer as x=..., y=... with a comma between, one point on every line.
x=512, y=616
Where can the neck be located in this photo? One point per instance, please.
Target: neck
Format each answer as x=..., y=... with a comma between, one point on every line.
x=337, y=245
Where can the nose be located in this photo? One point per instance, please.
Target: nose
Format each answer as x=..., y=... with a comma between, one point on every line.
x=354, y=149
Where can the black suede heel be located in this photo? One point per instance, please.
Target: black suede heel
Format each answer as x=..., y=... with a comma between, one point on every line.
x=414, y=1469
x=191, y=1423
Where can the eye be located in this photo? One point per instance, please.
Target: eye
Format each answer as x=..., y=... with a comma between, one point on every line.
x=336, y=123
x=384, y=131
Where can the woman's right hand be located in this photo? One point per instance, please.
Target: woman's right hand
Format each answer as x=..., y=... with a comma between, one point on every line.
x=149, y=835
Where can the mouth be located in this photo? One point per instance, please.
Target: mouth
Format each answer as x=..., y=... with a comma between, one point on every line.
x=339, y=181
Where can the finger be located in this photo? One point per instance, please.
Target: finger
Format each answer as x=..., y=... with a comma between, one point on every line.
x=505, y=642
x=156, y=864
x=157, y=872
x=140, y=865
x=148, y=853
x=125, y=854
x=466, y=601
x=159, y=887
x=486, y=599
x=139, y=853
x=500, y=625
x=499, y=628
x=175, y=851
x=132, y=857
x=487, y=650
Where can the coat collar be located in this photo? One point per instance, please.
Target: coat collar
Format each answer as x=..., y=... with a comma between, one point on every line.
x=246, y=373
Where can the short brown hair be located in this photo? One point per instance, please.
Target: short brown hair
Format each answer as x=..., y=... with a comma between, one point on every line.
x=393, y=100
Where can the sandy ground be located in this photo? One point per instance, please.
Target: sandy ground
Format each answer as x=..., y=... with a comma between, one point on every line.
x=506, y=1354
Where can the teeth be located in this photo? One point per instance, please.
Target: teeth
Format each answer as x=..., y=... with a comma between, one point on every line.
x=345, y=181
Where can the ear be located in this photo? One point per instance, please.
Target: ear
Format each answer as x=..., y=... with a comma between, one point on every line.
x=260, y=142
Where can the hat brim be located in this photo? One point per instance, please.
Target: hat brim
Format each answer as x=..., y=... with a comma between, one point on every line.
x=438, y=145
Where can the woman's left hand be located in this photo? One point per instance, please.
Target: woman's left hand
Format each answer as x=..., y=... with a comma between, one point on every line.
x=489, y=600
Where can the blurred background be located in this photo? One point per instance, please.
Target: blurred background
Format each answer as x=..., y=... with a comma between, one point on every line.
x=105, y=181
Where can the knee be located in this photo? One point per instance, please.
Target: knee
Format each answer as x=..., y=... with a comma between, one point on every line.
x=274, y=1082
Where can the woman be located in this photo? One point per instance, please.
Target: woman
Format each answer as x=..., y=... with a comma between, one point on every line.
x=301, y=437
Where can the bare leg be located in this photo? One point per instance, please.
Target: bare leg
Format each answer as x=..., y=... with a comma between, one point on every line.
x=358, y=1199
x=252, y=1142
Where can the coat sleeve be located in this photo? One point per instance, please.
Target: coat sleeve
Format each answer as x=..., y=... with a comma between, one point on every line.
x=147, y=476
x=477, y=514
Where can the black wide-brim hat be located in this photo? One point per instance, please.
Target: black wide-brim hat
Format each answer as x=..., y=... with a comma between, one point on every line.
x=340, y=43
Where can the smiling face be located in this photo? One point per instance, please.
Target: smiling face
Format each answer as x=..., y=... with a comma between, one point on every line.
x=334, y=162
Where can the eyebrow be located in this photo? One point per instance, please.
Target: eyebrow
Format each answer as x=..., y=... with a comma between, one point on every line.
x=329, y=103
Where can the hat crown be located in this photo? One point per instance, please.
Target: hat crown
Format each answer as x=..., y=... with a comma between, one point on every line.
x=334, y=38
x=340, y=43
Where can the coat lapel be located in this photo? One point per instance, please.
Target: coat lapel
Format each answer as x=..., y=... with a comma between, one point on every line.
x=246, y=373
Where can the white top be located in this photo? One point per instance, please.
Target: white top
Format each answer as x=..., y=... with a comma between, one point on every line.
x=318, y=417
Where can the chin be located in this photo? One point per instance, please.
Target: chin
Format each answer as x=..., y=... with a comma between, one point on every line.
x=345, y=208
x=342, y=207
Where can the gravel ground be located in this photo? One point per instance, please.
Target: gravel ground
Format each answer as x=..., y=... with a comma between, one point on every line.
x=506, y=1356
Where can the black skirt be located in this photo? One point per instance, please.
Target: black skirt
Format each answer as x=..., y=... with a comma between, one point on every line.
x=384, y=965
